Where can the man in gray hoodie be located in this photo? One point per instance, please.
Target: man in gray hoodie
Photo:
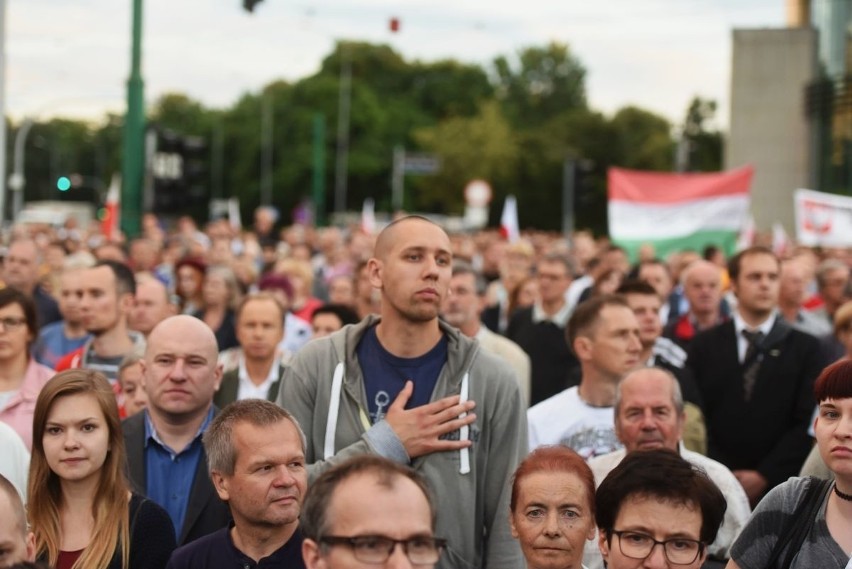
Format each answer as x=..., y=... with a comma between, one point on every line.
x=404, y=386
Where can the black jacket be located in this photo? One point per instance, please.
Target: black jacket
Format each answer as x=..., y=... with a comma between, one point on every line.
x=769, y=432
x=205, y=512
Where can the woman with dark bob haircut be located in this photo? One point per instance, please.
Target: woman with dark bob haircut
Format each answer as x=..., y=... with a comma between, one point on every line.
x=553, y=508
x=21, y=377
x=656, y=498
x=807, y=522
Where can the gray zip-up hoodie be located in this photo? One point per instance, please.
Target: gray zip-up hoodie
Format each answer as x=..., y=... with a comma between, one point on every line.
x=324, y=389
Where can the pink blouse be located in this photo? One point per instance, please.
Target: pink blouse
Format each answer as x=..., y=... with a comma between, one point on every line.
x=18, y=412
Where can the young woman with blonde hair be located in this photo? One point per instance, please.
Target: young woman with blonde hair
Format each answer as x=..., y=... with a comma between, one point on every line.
x=81, y=509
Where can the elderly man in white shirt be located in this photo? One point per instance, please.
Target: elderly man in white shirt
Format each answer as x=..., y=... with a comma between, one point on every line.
x=649, y=415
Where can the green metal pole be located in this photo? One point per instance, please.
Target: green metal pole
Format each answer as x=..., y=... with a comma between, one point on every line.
x=133, y=162
x=319, y=169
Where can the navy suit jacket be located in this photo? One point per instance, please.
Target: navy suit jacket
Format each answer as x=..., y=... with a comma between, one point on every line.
x=205, y=512
x=768, y=432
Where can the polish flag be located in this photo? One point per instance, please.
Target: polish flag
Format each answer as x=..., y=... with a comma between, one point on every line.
x=109, y=224
x=509, y=227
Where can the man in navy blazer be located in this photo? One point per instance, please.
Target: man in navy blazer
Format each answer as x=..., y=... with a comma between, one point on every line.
x=165, y=455
x=756, y=376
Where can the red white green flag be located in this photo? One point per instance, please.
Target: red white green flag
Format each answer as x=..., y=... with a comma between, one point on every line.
x=674, y=212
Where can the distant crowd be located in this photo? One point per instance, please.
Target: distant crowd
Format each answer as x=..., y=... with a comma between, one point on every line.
x=328, y=398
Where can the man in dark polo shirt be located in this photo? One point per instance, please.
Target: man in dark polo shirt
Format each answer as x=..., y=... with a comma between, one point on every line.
x=256, y=458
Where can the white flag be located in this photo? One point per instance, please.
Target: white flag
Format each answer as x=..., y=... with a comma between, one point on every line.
x=780, y=240
x=747, y=234
x=368, y=216
x=509, y=227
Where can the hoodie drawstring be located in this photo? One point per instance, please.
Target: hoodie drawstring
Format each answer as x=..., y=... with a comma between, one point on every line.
x=333, y=410
x=464, y=432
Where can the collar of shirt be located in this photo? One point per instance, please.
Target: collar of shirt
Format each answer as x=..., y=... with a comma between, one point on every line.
x=560, y=318
x=248, y=389
x=151, y=432
x=740, y=325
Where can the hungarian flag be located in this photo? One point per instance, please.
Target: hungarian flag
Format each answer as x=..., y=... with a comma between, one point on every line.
x=509, y=227
x=112, y=209
x=674, y=212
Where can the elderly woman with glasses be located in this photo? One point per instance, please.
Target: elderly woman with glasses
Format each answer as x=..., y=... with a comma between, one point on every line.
x=21, y=377
x=655, y=509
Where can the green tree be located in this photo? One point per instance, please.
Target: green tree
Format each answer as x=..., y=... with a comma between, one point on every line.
x=541, y=84
x=645, y=141
x=705, y=144
x=482, y=147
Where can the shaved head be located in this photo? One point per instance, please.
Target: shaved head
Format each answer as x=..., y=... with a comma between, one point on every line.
x=703, y=268
x=183, y=326
x=390, y=234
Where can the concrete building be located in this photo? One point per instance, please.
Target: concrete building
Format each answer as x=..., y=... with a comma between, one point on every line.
x=791, y=107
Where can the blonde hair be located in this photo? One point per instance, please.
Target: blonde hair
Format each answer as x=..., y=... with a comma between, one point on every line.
x=110, y=506
x=842, y=318
x=297, y=268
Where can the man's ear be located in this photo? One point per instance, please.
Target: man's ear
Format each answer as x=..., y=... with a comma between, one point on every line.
x=311, y=554
x=127, y=302
x=220, y=483
x=31, y=548
x=583, y=347
x=218, y=372
x=374, y=269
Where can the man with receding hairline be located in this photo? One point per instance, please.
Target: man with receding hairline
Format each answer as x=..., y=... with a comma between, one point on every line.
x=404, y=385
x=152, y=304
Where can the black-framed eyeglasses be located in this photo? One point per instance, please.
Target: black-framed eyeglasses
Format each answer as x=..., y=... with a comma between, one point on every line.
x=420, y=550
x=11, y=323
x=678, y=550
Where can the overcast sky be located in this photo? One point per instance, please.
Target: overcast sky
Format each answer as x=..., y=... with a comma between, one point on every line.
x=71, y=57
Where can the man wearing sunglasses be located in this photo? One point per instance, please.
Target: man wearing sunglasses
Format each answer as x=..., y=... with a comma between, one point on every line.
x=369, y=512
x=657, y=510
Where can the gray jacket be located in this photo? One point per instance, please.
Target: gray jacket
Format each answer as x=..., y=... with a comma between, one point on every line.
x=471, y=487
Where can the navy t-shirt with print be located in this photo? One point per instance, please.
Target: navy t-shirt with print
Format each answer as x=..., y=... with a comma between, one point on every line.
x=385, y=374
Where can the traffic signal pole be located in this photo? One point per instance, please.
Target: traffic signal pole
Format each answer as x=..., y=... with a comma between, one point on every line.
x=133, y=161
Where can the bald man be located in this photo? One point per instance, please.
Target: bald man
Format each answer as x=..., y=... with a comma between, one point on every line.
x=702, y=287
x=16, y=543
x=165, y=455
x=404, y=386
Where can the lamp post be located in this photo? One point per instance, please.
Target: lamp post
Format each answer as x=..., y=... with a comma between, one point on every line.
x=133, y=162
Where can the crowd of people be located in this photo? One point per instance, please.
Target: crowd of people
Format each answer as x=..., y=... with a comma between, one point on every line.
x=327, y=398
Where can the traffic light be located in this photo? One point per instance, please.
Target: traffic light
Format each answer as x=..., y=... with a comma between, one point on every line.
x=195, y=174
x=250, y=4
x=178, y=172
x=63, y=184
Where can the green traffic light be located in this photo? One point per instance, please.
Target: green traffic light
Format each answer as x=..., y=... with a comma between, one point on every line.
x=63, y=184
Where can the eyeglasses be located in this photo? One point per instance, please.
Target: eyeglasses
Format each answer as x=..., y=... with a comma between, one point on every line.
x=678, y=550
x=420, y=550
x=11, y=323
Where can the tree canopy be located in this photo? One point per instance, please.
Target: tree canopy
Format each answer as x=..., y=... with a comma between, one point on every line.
x=513, y=122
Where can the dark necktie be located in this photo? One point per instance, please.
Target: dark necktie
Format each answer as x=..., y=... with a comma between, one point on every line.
x=751, y=362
